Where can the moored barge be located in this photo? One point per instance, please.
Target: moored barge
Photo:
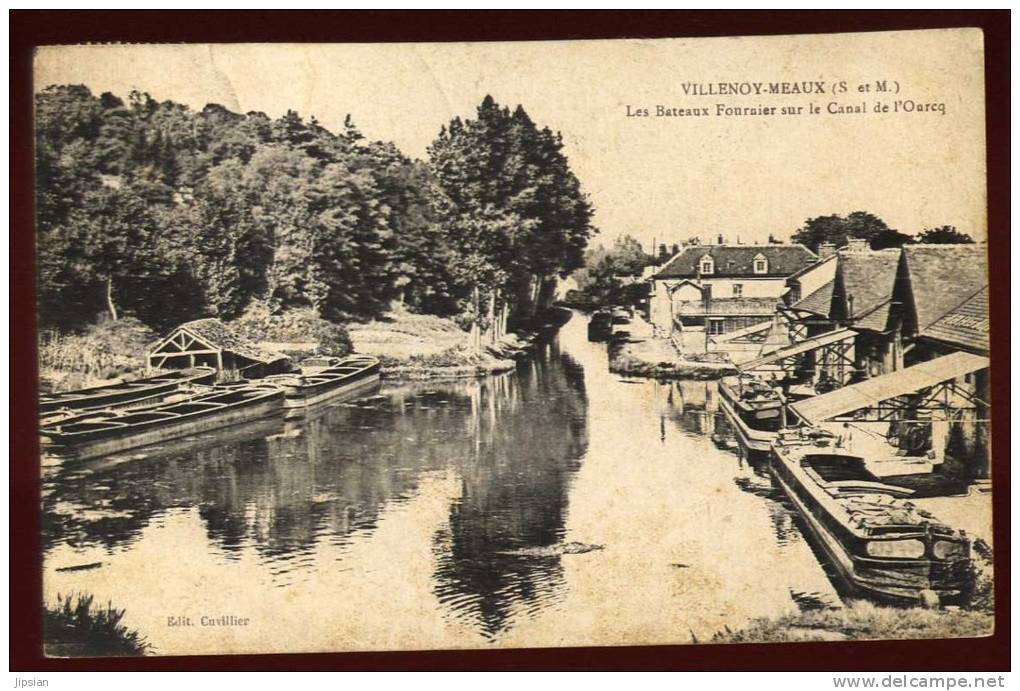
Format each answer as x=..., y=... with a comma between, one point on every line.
x=110, y=431
x=754, y=409
x=881, y=544
x=325, y=379
x=129, y=394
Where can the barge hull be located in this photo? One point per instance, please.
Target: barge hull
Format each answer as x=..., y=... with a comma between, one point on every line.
x=751, y=439
x=256, y=410
x=301, y=401
x=898, y=586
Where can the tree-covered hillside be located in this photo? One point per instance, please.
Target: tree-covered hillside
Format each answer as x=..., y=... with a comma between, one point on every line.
x=158, y=211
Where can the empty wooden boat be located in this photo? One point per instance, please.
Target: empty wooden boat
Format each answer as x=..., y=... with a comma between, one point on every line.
x=327, y=379
x=140, y=392
x=881, y=544
x=104, y=432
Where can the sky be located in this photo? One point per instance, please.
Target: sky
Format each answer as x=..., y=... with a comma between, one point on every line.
x=660, y=179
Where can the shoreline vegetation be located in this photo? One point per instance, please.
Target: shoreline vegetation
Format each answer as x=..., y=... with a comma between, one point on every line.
x=410, y=346
x=77, y=627
x=861, y=620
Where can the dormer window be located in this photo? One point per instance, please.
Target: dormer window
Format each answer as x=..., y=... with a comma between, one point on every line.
x=707, y=265
x=761, y=264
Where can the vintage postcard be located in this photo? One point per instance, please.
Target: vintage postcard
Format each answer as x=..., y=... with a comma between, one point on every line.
x=500, y=345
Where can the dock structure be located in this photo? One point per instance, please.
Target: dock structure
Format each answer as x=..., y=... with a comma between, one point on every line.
x=934, y=386
x=831, y=352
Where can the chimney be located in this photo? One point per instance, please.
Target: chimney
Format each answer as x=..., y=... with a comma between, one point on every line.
x=720, y=239
x=826, y=249
x=857, y=245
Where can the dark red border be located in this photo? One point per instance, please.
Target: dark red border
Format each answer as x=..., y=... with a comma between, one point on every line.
x=31, y=28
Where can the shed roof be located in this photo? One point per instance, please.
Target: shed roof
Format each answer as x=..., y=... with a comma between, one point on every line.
x=221, y=337
x=738, y=260
x=871, y=392
x=942, y=276
x=817, y=302
x=868, y=277
x=966, y=325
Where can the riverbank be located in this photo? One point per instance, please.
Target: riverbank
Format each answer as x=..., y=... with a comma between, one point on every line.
x=862, y=620
x=410, y=346
x=78, y=627
x=417, y=346
x=657, y=359
x=640, y=353
x=106, y=353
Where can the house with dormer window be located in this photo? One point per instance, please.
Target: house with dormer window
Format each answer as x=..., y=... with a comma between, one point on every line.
x=723, y=288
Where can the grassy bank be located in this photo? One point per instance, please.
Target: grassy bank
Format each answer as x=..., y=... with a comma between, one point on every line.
x=76, y=627
x=410, y=346
x=105, y=352
x=420, y=346
x=862, y=620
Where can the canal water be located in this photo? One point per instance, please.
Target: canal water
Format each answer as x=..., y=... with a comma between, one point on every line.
x=556, y=505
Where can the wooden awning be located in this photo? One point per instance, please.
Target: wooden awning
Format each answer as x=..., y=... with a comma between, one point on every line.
x=791, y=351
x=874, y=393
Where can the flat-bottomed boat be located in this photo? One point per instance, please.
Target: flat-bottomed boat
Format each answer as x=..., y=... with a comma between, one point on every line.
x=327, y=379
x=129, y=394
x=109, y=431
x=754, y=409
x=881, y=544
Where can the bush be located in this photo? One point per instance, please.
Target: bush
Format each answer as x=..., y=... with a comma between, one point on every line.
x=300, y=325
x=863, y=620
x=76, y=628
x=103, y=350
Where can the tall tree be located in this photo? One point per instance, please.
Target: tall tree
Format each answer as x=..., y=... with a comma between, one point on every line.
x=514, y=212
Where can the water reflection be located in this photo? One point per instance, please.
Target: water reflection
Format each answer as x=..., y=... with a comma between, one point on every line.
x=430, y=515
x=515, y=483
x=287, y=486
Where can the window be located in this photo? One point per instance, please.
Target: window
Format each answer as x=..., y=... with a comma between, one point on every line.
x=707, y=265
x=738, y=289
x=761, y=264
x=715, y=327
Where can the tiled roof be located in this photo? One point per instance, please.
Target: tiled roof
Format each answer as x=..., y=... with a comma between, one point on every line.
x=942, y=277
x=738, y=260
x=966, y=325
x=817, y=302
x=868, y=277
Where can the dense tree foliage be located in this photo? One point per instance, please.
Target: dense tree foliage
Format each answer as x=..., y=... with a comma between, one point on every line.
x=837, y=230
x=608, y=276
x=152, y=209
x=944, y=235
x=512, y=211
x=155, y=210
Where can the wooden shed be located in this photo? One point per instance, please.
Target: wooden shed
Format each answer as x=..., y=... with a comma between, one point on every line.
x=212, y=343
